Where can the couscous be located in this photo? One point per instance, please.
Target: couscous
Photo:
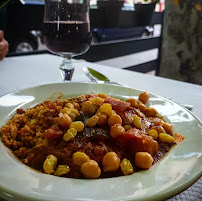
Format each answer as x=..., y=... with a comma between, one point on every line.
x=92, y=136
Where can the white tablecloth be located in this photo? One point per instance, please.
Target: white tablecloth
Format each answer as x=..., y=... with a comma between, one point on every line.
x=26, y=71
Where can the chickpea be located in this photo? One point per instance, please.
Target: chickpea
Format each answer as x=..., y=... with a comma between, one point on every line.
x=143, y=160
x=72, y=116
x=85, y=106
x=114, y=119
x=65, y=110
x=159, y=129
x=99, y=101
x=106, y=108
x=91, y=169
x=92, y=100
x=151, y=112
x=76, y=112
x=132, y=102
x=142, y=108
x=102, y=95
x=78, y=125
x=102, y=119
x=69, y=105
x=64, y=120
x=116, y=130
x=73, y=113
x=50, y=164
x=79, y=158
x=168, y=127
x=76, y=106
x=92, y=121
x=144, y=97
x=93, y=109
x=110, y=162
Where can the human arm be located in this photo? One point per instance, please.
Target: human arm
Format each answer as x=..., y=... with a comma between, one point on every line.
x=3, y=45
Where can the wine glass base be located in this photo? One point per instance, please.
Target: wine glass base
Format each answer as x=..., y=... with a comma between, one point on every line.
x=67, y=74
x=66, y=70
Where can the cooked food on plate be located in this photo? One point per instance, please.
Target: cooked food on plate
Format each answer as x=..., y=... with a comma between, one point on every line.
x=90, y=136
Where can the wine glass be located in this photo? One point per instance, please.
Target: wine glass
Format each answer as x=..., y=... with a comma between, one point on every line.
x=66, y=31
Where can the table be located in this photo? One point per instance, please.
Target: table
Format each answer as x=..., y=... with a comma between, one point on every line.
x=26, y=71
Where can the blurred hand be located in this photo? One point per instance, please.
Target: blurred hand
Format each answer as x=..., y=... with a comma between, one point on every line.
x=3, y=45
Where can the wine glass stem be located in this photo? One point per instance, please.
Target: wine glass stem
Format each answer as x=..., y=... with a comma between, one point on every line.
x=66, y=69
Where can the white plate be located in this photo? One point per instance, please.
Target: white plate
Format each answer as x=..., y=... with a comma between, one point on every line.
x=175, y=172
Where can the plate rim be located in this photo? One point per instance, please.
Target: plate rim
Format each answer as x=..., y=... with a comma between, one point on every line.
x=168, y=194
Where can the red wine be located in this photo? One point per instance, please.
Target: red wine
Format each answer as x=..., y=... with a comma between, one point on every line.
x=67, y=37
